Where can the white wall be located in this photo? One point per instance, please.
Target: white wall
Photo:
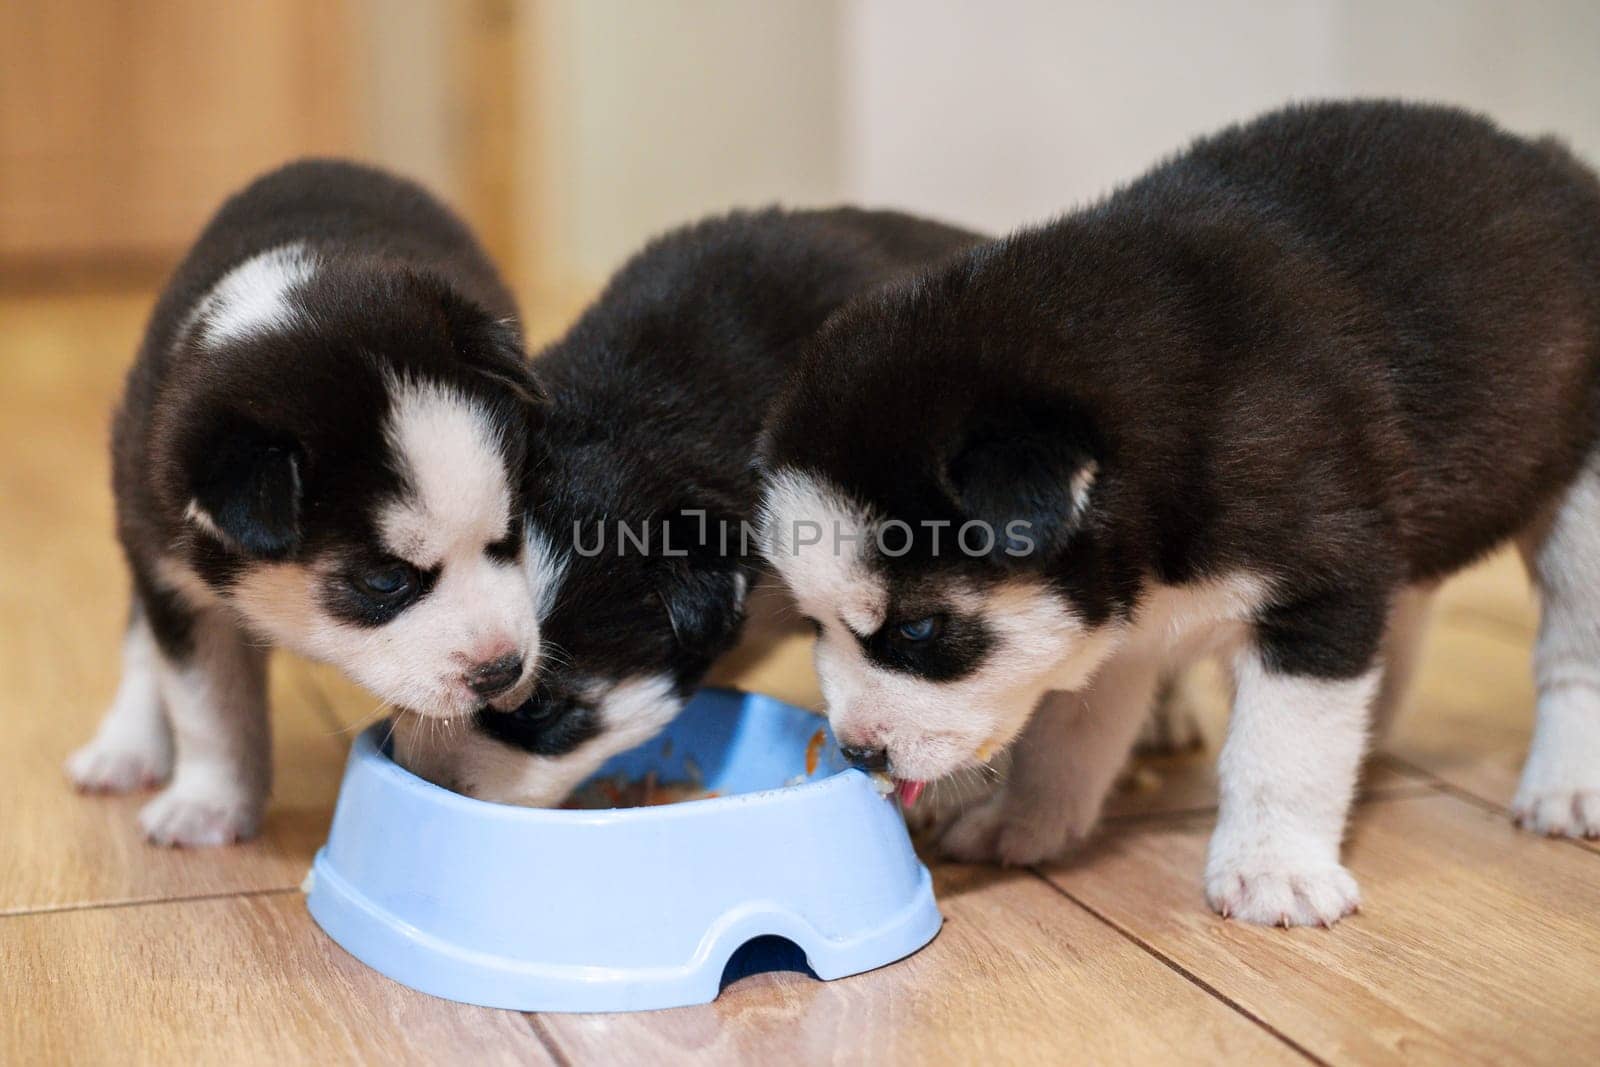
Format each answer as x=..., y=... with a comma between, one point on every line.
x=649, y=113
x=405, y=92
x=995, y=113
x=999, y=113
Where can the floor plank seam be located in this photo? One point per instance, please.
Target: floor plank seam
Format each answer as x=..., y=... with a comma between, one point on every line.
x=1447, y=787
x=1399, y=767
x=1482, y=803
x=1183, y=972
x=1180, y=815
x=108, y=905
x=547, y=1039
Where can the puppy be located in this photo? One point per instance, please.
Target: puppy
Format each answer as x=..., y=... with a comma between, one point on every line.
x=642, y=484
x=1255, y=404
x=321, y=446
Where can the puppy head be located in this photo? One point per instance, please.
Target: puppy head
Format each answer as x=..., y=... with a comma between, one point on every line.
x=346, y=452
x=938, y=519
x=628, y=631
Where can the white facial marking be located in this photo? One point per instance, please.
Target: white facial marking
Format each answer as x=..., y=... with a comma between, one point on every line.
x=818, y=541
x=470, y=762
x=931, y=728
x=257, y=296
x=457, y=502
x=449, y=449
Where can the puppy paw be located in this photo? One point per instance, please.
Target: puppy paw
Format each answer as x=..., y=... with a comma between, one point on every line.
x=973, y=835
x=1024, y=842
x=1558, y=812
x=1282, y=894
x=119, y=765
x=991, y=834
x=192, y=816
x=945, y=801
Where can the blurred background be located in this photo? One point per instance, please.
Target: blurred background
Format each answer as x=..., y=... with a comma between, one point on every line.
x=570, y=130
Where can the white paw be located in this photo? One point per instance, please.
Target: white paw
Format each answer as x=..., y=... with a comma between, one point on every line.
x=971, y=837
x=1559, y=812
x=990, y=833
x=1282, y=894
x=200, y=817
x=945, y=801
x=120, y=765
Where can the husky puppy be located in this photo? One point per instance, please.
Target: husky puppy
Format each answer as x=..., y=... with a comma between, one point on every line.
x=1258, y=403
x=642, y=486
x=320, y=446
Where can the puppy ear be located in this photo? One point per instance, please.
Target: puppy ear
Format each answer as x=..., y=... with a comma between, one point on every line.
x=705, y=604
x=1029, y=477
x=246, y=489
x=492, y=347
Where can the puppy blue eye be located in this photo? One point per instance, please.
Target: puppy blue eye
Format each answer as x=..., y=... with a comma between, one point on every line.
x=920, y=629
x=391, y=581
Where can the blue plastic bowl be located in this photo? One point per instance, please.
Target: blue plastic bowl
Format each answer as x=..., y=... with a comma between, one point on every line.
x=631, y=908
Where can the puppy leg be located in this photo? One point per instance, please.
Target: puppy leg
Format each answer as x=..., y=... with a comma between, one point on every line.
x=132, y=749
x=1402, y=642
x=1287, y=775
x=1560, y=789
x=216, y=701
x=1062, y=767
x=1173, y=726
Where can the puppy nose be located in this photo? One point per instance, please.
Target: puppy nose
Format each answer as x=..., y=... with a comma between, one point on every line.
x=868, y=759
x=494, y=677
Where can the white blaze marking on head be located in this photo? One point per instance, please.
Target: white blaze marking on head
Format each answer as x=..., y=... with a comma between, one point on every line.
x=829, y=577
x=457, y=491
x=256, y=296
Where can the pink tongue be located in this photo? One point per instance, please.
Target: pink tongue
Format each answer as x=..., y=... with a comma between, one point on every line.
x=909, y=791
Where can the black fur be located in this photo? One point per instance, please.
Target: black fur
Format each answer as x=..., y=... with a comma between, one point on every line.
x=961, y=644
x=278, y=436
x=1347, y=346
x=656, y=398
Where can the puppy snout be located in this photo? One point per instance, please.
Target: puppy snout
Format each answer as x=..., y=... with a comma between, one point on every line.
x=491, y=678
x=868, y=759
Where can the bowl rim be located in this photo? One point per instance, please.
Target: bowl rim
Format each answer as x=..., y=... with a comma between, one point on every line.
x=369, y=749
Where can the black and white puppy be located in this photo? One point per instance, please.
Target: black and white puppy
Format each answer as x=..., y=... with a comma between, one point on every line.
x=642, y=485
x=321, y=446
x=1257, y=403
